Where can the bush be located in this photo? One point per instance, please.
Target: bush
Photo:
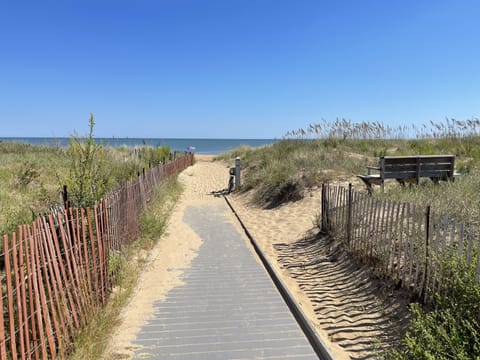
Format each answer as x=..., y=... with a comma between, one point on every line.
x=88, y=178
x=451, y=330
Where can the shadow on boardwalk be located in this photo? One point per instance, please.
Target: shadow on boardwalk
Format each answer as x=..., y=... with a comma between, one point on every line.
x=359, y=311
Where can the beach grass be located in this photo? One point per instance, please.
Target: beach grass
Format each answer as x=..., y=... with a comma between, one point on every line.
x=305, y=159
x=32, y=176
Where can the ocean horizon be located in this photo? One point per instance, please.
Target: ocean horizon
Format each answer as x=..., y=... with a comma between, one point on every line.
x=199, y=146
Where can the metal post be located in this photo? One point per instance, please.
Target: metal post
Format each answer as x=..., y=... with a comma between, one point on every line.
x=237, y=172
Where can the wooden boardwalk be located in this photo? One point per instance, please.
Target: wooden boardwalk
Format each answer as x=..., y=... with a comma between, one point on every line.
x=228, y=307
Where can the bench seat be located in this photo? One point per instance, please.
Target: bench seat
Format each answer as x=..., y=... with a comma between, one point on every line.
x=409, y=169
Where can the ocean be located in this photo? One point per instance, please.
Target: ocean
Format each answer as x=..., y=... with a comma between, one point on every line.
x=202, y=146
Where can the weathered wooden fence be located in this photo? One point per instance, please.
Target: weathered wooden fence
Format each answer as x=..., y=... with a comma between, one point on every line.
x=58, y=269
x=404, y=242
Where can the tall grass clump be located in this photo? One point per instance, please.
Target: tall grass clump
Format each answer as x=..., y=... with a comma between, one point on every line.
x=94, y=169
x=153, y=155
x=89, y=176
x=243, y=151
x=28, y=183
x=343, y=129
x=282, y=171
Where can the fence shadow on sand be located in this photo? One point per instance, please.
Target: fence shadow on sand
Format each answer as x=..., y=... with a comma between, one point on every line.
x=358, y=310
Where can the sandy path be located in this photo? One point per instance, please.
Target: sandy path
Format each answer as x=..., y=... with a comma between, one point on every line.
x=341, y=299
x=170, y=257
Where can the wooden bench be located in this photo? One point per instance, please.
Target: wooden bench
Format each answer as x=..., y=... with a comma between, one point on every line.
x=410, y=169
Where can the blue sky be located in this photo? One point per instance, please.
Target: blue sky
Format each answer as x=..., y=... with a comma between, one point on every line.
x=233, y=68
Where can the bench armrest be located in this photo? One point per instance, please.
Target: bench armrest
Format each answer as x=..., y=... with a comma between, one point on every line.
x=370, y=168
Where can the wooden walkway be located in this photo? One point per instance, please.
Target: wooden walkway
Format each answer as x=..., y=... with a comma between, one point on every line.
x=228, y=308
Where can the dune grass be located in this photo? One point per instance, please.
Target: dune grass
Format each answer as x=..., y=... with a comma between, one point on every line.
x=307, y=158
x=28, y=182
x=32, y=176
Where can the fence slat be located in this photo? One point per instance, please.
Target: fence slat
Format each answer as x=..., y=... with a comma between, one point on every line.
x=47, y=319
x=71, y=269
x=18, y=296
x=23, y=291
x=3, y=343
x=410, y=241
x=37, y=309
x=99, y=240
x=388, y=237
x=32, y=295
x=56, y=281
x=62, y=278
x=51, y=293
x=402, y=245
x=10, y=300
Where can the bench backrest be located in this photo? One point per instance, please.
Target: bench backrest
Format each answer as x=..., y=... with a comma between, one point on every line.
x=416, y=167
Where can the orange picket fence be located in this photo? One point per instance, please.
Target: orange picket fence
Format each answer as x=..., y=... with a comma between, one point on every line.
x=57, y=270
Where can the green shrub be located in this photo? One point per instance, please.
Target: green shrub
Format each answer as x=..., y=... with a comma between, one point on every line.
x=451, y=330
x=89, y=176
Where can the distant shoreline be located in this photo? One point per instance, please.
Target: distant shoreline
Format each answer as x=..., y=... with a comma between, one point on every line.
x=201, y=145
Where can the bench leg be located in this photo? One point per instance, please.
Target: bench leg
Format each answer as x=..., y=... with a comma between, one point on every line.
x=370, y=189
x=368, y=184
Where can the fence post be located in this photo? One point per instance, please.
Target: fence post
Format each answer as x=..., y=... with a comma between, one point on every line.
x=65, y=196
x=323, y=210
x=349, y=214
x=428, y=214
x=237, y=172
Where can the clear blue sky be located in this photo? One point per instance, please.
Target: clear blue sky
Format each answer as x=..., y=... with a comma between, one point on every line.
x=233, y=68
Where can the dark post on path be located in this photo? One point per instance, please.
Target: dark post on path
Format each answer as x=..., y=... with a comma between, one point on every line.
x=237, y=172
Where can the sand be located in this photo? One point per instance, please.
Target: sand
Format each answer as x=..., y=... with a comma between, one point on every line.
x=350, y=310
x=173, y=253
